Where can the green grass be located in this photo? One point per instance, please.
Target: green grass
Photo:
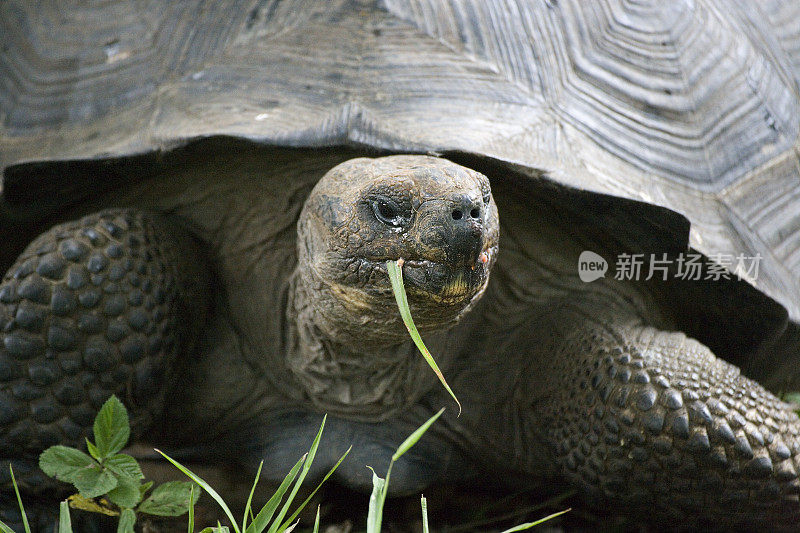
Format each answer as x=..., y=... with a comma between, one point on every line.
x=424, y=504
x=395, y=269
x=111, y=483
x=380, y=487
x=265, y=519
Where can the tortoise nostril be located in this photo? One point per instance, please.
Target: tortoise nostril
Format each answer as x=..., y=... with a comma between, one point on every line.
x=475, y=213
x=457, y=214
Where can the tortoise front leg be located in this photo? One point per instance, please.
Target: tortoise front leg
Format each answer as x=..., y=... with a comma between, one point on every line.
x=91, y=308
x=655, y=421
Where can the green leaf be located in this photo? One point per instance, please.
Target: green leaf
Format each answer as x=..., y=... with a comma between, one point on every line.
x=376, y=499
x=74, y=466
x=111, y=427
x=126, y=521
x=63, y=462
x=126, y=494
x=19, y=501
x=261, y=521
x=395, y=269
x=93, y=451
x=144, y=487
x=424, y=503
x=173, y=498
x=312, y=452
x=124, y=465
x=414, y=437
x=94, y=482
x=4, y=528
x=64, y=520
x=529, y=525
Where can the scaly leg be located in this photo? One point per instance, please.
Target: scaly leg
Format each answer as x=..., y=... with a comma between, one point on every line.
x=91, y=308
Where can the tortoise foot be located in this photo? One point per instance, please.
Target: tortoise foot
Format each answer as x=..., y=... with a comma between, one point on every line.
x=91, y=308
x=655, y=421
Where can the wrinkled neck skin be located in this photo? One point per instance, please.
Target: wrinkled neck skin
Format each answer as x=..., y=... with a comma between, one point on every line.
x=349, y=350
x=366, y=369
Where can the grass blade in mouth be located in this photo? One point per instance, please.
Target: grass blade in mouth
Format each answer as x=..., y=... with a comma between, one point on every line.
x=395, y=269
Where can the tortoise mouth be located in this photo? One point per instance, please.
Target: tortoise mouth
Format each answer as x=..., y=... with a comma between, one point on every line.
x=443, y=283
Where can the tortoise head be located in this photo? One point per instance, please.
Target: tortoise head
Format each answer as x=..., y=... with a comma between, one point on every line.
x=439, y=217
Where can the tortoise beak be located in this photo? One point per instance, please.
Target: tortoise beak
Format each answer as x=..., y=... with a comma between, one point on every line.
x=451, y=233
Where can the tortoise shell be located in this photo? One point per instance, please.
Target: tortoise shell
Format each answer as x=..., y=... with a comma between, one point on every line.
x=691, y=106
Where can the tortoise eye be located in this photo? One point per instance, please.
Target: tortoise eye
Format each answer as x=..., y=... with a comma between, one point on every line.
x=388, y=212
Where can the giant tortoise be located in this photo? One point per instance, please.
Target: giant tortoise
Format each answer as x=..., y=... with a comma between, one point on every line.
x=199, y=199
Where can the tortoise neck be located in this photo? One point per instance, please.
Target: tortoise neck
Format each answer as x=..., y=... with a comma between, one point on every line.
x=368, y=378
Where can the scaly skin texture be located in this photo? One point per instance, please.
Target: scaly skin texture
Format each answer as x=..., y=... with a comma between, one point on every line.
x=654, y=421
x=349, y=332
x=557, y=377
x=94, y=307
x=448, y=220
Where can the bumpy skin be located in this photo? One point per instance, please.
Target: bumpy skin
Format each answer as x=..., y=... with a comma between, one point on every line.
x=653, y=420
x=631, y=414
x=91, y=308
x=443, y=218
x=557, y=376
